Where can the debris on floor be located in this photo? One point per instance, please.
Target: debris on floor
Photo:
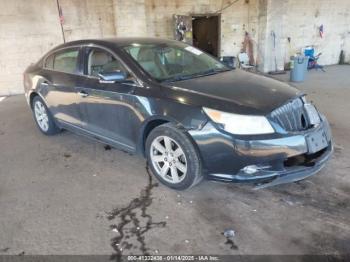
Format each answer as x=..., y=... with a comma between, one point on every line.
x=230, y=234
x=107, y=147
x=291, y=201
x=67, y=155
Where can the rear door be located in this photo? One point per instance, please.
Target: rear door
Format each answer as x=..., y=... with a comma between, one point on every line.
x=63, y=75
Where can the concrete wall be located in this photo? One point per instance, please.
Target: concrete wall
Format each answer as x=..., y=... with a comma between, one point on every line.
x=130, y=18
x=300, y=20
x=87, y=19
x=155, y=18
x=30, y=28
x=335, y=17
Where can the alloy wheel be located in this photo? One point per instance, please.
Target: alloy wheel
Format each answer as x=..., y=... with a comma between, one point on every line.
x=168, y=159
x=41, y=116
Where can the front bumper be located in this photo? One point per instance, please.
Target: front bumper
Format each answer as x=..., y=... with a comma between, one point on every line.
x=226, y=158
x=269, y=177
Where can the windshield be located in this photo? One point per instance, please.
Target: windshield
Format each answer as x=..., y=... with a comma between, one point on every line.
x=175, y=61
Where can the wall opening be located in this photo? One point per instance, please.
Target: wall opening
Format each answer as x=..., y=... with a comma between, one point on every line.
x=206, y=31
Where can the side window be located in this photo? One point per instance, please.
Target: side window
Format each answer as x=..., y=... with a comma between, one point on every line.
x=100, y=62
x=66, y=61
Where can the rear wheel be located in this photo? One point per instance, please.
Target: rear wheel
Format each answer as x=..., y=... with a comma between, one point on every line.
x=172, y=157
x=43, y=117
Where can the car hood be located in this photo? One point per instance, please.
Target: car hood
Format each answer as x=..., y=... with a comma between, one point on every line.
x=233, y=91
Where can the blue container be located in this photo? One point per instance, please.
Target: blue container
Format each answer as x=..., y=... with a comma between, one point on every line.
x=309, y=51
x=298, y=68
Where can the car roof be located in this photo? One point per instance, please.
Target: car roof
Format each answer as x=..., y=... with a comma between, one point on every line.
x=119, y=42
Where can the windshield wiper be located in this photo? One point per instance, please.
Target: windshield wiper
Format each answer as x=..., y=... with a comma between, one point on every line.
x=211, y=72
x=177, y=78
x=199, y=74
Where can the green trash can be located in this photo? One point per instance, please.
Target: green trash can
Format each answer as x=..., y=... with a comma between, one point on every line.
x=298, y=68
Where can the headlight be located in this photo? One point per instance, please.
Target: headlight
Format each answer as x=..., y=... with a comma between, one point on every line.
x=240, y=124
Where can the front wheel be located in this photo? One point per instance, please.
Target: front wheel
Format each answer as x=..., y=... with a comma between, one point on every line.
x=172, y=157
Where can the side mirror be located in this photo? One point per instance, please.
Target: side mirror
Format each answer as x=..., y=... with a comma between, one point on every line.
x=112, y=77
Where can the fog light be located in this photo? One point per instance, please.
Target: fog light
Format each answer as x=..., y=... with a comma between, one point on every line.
x=250, y=170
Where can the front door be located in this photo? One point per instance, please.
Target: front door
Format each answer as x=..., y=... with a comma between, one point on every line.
x=108, y=108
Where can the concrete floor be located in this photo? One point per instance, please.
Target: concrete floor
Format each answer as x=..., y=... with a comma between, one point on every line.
x=65, y=194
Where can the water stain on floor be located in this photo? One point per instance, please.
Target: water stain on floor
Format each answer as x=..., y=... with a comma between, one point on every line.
x=133, y=222
x=4, y=250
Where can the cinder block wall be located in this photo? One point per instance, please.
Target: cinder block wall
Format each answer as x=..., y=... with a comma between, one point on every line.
x=30, y=28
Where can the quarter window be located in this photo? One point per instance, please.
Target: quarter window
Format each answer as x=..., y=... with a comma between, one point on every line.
x=49, y=62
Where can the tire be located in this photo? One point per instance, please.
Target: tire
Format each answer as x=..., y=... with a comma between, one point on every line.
x=43, y=118
x=172, y=157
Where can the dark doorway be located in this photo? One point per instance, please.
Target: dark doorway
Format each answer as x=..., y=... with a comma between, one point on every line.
x=206, y=33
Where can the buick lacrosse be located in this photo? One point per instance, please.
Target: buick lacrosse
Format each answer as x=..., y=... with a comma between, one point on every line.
x=191, y=116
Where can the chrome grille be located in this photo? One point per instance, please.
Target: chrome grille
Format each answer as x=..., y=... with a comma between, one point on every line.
x=291, y=116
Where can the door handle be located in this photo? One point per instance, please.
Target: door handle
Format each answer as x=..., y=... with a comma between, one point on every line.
x=83, y=94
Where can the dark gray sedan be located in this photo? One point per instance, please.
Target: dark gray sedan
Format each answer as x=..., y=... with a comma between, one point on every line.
x=189, y=114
